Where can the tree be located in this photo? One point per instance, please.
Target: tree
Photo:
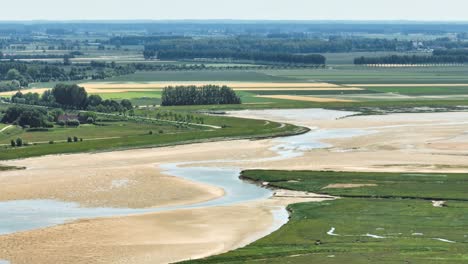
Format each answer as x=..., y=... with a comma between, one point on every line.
x=70, y=95
x=66, y=60
x=13, y=143
x=13, y=74
x=47, y=97
x=126, y=104
x=32, y=118
x=94, y=100
x=19, y=142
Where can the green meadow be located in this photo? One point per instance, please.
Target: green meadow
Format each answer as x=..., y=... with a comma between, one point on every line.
x=124, y=134
x=391, y=222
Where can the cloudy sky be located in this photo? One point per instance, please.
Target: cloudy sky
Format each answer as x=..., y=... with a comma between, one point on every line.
x=235, y=9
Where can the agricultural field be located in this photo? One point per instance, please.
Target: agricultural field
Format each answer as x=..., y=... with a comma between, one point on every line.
x=385, y=218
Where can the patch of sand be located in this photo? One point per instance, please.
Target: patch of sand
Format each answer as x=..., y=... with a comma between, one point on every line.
x=304, y=98
x=151, y=238
x=160, y=85
x=410, y=85
x=88, y=178
x=347, y=185
x=108, y=87
x=438, y=203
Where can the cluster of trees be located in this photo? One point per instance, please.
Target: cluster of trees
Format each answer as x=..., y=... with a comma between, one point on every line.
x=28, y=72
x=193, y=95
x=6, y=86
x=415, y=59
x=35, y=56
x=188, y=118
x=72, y=96
x=277, y=44
x=27, y=117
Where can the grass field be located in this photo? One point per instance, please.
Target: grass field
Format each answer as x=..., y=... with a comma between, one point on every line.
x=367, y=75
x=367, y=229
x=90, y=131
x=125, y=135
x=427, y=90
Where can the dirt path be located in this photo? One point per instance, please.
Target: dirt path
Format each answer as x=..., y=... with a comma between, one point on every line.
x=5, y=128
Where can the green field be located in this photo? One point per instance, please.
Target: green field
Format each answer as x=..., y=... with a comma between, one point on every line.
x=202, y=75
x=122, y=135
x=366, y=228
x=368, y=75
x=107, y=129
x=426, y=90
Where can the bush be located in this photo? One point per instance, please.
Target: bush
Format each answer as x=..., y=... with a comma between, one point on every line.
x=51, y=142
x=61, y=123
x=19, y=142
x=150, y=133
x=81, y=139
x=75, y=139
x=40, y=129
x=13, y=143
x=161, y=132
x=73, y=123
x=69, y=140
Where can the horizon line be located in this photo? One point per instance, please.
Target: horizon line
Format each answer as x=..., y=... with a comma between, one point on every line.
x=233, y=20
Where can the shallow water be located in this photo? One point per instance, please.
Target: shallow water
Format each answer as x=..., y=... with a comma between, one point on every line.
x=33, y=214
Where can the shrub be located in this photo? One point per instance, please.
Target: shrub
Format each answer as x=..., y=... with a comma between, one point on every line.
x=75, y=139
x=73, y=123
x=69, y=140
x=51, y=142
x=161, y=132
x=19, y=142
x=150, y=133
x=81, y=139
x=61, y=123
x=13, y=143
x=40, y=129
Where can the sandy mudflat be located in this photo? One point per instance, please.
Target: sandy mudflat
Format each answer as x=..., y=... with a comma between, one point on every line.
x=151, y=238
x=400, y=142
x=107, y=87
x=304, y=98
x=95, y=180
x=110, y=85
x=410, y=85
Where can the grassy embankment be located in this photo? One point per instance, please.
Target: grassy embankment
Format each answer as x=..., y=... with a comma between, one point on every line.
x=368, y=228
x=132, y=134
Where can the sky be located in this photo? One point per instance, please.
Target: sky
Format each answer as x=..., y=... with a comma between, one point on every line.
x=432, y=10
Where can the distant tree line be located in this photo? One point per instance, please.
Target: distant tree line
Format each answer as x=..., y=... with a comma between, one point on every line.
x=35, y=56
x=193, y=95
x=29, y=72
x=251, y=56
x=451, y=52
x=415, y=59
x=71, y=96
x=278, y=44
